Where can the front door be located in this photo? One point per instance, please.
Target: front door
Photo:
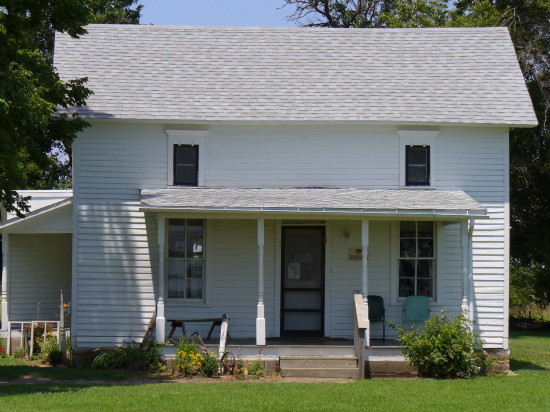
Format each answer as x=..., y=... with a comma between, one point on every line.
x=303, y=281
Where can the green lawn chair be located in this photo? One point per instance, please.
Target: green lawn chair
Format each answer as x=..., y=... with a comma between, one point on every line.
x=377, y=312
x=416, y=310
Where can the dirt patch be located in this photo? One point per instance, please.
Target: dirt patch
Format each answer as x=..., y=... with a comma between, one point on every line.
x=140, y=380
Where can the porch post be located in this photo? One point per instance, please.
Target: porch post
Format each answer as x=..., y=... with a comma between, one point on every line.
x=470, y=278
x=5, y=257
x=465, y=265
x=365, y=274
x=160, y=320
x=260, y=317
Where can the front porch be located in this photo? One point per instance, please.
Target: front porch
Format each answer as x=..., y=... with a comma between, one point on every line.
x=291, y=273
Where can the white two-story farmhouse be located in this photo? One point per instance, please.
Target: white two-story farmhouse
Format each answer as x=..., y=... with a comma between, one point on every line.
x=268, y=173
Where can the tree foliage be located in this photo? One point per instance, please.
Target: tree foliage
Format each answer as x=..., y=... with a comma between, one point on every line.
x=30, y=90
x=34, y=148
x=528, y=23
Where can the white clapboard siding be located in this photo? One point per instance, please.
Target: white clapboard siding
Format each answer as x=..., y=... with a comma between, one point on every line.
x=475, y=161
x=117, y=244
x=40, y=265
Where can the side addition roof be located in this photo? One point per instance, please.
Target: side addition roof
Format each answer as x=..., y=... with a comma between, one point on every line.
x=389, y=202
x=220, y=74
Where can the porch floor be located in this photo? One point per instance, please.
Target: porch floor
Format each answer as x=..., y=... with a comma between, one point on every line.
x=302, y=342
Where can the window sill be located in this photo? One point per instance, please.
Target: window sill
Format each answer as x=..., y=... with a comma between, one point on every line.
x=186, y=303
x=418, y=187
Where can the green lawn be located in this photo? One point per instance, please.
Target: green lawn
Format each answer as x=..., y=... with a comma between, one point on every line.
x=530, y=391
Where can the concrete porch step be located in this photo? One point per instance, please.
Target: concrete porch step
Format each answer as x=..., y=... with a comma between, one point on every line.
x=319, y=366
x=389, y=368
x=351, y=373
x=312, y=362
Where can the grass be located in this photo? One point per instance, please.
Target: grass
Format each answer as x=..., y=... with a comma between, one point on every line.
x=530, y=353
x=527, y=392
x=11, y=368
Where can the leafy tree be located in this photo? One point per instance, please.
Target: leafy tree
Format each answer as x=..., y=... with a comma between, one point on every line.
x=528, y=22
x=30, y=90
x=55, y=171
x=369, y=13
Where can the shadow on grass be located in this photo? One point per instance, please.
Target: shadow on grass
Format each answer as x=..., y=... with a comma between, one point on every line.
x=517, y=365
x=25, y=389
x=525, y=334
x=8, y=373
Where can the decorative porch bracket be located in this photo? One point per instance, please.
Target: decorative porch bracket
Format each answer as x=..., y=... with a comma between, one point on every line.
x=160, y=334
x=365, y=275
x=260, y=317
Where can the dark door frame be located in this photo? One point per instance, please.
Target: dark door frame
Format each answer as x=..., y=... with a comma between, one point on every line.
x=321, y=332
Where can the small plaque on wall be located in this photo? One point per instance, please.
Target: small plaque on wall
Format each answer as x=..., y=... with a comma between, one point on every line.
x=355, y=253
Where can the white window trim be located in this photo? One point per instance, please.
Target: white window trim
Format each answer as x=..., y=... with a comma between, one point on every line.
x=417, y=138
x=394, y=263
x=188, y=137
x=207, y=282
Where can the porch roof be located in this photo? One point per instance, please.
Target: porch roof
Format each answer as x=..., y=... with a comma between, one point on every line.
x=374, y=202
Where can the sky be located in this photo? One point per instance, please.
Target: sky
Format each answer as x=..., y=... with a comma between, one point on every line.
x=252, y=13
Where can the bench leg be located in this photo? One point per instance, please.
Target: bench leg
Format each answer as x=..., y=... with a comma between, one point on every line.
x=214, y=324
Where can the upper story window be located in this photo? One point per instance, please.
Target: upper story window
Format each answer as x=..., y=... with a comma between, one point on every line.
x=186, y=157
x=186, y=165
x=417, y=165
x=416, y=259
x=417, y=158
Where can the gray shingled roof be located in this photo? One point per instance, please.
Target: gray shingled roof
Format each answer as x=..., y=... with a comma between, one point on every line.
x=329, y=201
x=220, y=74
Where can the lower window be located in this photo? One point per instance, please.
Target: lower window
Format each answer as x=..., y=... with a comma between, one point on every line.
x=416, y=259
x=185, y=259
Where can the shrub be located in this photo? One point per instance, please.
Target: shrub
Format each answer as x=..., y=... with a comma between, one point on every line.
x=3, y=353
x=131, y=355
x=445, y=348
x=20, y=353
x=52, y=353
x=210, y=365
x=256, y=369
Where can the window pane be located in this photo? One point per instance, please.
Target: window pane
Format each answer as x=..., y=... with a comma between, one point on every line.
x=185, y=174
x=425, y=268
x=406, y=268
x=425, y=247
x=194, y=248
x=176, y=278
x=417, y=174
x=176, y=248
x=418, y=155
x=407, y=229
x=194, y=289
x=176, y=228
x=194, y=228
x=425, y=229
x=194, y=269
x=406, y=287
x=407, y=247
x=186, y=155
x=424, y=287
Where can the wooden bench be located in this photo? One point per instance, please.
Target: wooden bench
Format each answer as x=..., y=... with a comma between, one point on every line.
x=175, y=323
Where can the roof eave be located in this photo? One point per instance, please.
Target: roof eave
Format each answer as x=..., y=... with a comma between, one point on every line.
x=416, y=213
x=36, y=213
